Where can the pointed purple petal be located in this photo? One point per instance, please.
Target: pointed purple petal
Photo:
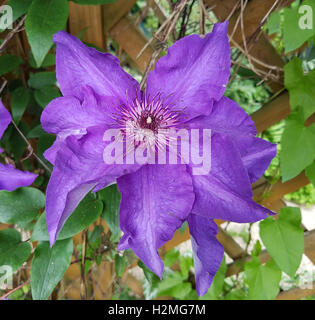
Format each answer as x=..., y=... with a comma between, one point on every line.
x=208, y=252
x=11, y=178
x=226, y=192
x=5, y=118
x=155, y=202
x=258, y=158
x=79, y=168
x=79, y=66
x=194, y=72
x=65, y=115
x=228, y=118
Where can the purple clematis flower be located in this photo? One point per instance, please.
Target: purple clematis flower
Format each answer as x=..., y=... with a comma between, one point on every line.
x=184, y=91
x=11, y=178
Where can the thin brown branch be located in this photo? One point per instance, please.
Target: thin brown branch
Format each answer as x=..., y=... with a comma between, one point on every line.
x=18, y=28
x=6, y=295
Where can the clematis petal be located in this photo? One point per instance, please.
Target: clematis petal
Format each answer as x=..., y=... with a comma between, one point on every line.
x=155, y=201
x=5, y=118
x=11, y=178
x=258, y=158
x=207, y=250
x=228, y=118
x=194, y=73
x=63, y=194
x=79, y=168
x=226, y=193
x=79, y=66
x=68, y=115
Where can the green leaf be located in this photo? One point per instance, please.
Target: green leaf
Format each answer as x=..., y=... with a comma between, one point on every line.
x=301, y=87
x=310, y=173
x=93, y=2
x=171, y=257
x=185, y=262
x=273, y=24
x=20, y=100
x=297, y=146
x=46, y=94
x=19, y=8
x=50, y=60
x=293, y=35
x=45, y=18
x=120, y=265
x=111, y=198
x=263, y=280
x=9, y=63
x=284, y=239
x=173, y=285
x=13, y=252
x=20, y=206
x=48, y=267
x=42, y=79
x=36, y=132
x=86, y=213
x=217, y=283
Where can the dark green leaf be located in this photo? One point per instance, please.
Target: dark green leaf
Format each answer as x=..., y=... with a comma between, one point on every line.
x=13, y=252
x=284, y=239
x=19, y=7
x=20, y=206
x=111, y=197
x=9, y=63
x=48, y=267
x=50, y=60
x=120, y=265
x=36, y=132
x=19, y=103
x=42, y=79
x=86, y=213
x=45, y=18
x=93, y=2
x=46, y=94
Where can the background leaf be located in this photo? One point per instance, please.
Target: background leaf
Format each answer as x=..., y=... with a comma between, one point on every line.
x=46, y=94
x=13, y=252
x=93, y=2
x=9, y=63
x=20, y=100
x=263, y=280
x=45, y=18
x=297, y=146
x=294, y=36
x=111, y=198
x=20, y=206
x=86, y=213
x=284, y=239
x=48, y=267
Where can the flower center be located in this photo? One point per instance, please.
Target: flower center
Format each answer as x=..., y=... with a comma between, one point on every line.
x=145, y=120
